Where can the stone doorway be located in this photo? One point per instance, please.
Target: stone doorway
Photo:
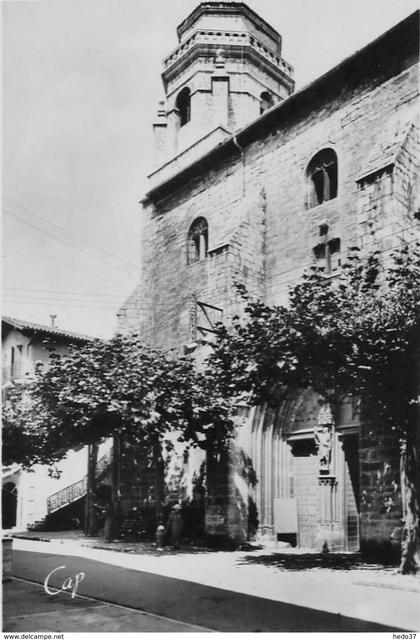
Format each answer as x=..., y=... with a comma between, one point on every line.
x=9, y=505
x=327, y=508
x=294, y=503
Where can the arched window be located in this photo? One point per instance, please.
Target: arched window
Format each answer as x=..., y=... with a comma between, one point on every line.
x=183, y=104
x=322, y=177
x=198, y=238
x=266, y=101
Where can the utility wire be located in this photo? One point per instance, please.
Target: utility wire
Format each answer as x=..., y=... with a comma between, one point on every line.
x=72, y=235
x=83, y=303
x=101, y=301
x=71, y=245
x=142, y=307
x=57, y=299
x=22, y=290
x=73, y=241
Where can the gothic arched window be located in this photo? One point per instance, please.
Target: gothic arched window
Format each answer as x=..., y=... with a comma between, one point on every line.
x=198, y=238
x=266, y=101
x=322, y=176
x=183, y=104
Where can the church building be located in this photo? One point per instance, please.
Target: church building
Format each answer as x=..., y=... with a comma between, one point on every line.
x=253, y=183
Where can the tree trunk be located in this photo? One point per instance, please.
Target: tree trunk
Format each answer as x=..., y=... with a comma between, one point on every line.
x=410, y=504
x=116, y=450
x=159, y=467
x=90, y=513
x=116, y=488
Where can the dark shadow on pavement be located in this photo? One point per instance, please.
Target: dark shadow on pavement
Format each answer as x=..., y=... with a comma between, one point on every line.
x=145, y=548
x=305, y=561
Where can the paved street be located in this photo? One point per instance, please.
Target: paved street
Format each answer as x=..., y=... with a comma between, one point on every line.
x=193, y=603
x=26, y=607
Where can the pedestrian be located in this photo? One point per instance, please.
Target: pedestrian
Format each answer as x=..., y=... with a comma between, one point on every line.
x=175, y=527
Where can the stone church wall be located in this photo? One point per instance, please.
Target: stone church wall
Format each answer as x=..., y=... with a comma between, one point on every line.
x=262, y=234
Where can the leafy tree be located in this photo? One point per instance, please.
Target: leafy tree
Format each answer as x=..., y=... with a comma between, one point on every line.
x=356, y=334
x=115, y=388
x=24, y=440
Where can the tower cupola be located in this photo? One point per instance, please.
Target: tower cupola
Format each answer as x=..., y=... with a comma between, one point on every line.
x=226, y=70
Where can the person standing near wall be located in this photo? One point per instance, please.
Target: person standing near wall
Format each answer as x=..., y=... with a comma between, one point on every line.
x=175, y=527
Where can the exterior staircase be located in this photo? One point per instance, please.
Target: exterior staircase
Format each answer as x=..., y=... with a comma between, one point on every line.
x=67, y=495
x=78, y=489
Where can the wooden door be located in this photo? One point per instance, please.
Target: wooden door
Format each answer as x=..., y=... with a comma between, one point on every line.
x=305, y=474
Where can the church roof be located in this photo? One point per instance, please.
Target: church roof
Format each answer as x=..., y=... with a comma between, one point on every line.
x=388, y=55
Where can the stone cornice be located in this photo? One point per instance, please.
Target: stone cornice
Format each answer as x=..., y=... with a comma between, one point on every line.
x=249, y=49
x=228, y=8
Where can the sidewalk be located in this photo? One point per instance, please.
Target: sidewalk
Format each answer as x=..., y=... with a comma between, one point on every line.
x=371, y=593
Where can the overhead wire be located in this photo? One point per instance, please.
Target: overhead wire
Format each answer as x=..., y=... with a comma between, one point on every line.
x=69, y=239
x=62, y=240
x=110, y=301
x=65, y=231
x=63, y=292
x=99, y=304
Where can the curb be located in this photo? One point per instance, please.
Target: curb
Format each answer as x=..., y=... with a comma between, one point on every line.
x=384, y=585
x=19, y=537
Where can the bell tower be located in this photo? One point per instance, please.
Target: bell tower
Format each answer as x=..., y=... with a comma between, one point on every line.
x=226, y=70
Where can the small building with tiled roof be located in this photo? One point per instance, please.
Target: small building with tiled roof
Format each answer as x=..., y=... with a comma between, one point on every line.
x=24, y=343
x=26, y=495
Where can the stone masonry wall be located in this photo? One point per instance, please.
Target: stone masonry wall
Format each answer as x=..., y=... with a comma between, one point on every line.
x=380, y=495
x=254, y=203
x=275, y=164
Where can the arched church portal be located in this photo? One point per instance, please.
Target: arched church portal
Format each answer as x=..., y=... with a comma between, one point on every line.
x=308, y=488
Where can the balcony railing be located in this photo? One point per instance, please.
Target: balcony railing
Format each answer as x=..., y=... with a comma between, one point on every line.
x=67, y=496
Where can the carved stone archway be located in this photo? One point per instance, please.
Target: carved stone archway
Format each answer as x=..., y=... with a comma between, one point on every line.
x=305, y=493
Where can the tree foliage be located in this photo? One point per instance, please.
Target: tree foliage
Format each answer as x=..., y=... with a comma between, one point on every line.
x=105, y=387
x=356, y=334
x=24, y=438
x=336, y=335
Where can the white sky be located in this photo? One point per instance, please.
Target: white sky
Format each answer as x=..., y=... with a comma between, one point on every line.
x=81, y=81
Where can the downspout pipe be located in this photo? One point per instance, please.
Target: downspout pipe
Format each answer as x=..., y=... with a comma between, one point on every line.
x=242, y=152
